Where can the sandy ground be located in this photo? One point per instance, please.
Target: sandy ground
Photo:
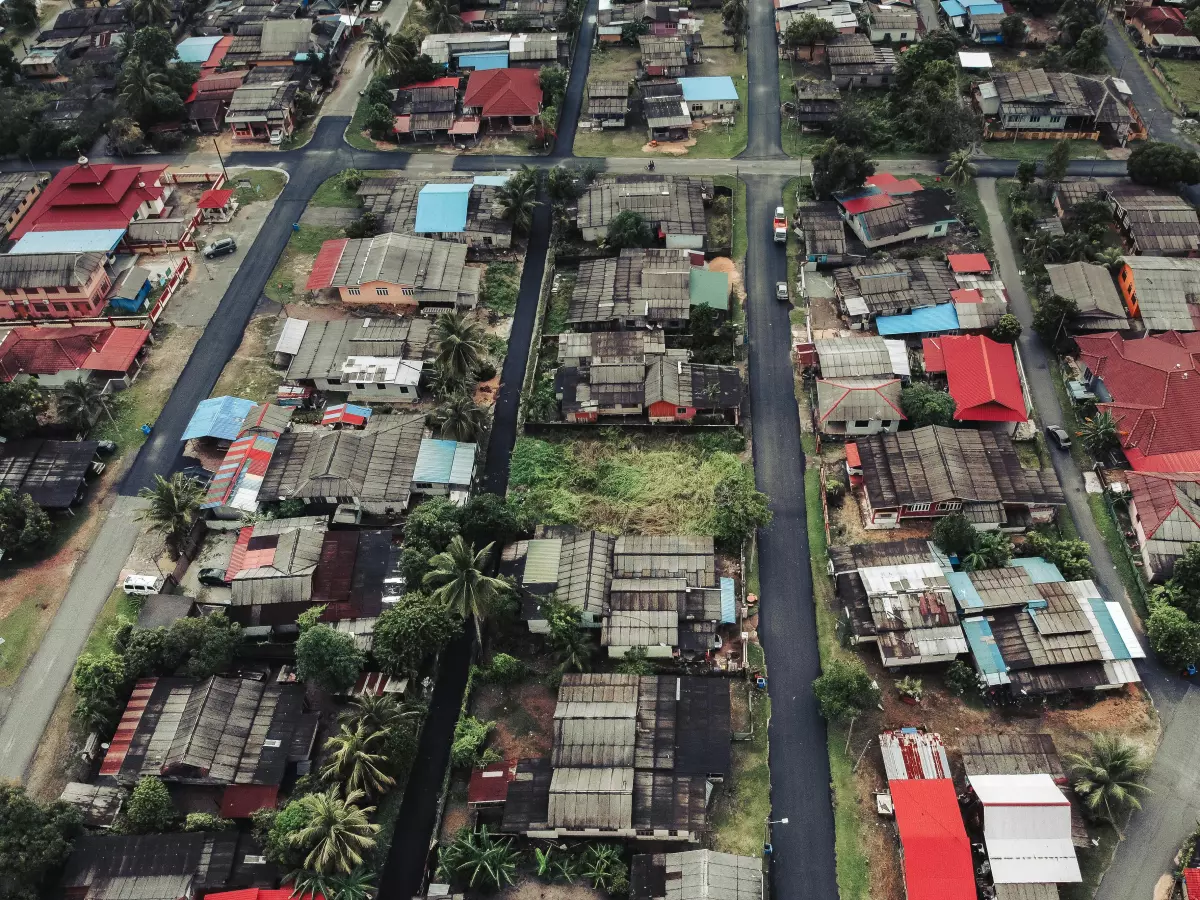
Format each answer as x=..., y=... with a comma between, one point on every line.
x=535, y=890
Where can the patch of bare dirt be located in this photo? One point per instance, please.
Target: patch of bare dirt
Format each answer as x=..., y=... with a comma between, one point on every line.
x=669, y=148
x=846, y=524
x=535, y=890
x=316, y=312
x=524, y=717
x=728, y=266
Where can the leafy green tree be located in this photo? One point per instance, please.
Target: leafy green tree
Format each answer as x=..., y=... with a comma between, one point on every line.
x=174, y=507
x=1109, y=779
x=21, y=402
x=379, y=120
x=1013, y=30
x=488, y=516
x=1054, y=167
x=1088, y=52
x=442, y=16
x=21, y=14
x=99, y=680
x=808, y=30
x=198, y=821
x=149, y=809
x=1026, y=172
x=1186, y=574
x=1007, y=329
x=1071, y=556
x=572, y=645
x=1074, y=17
x=383, y=53
x=924, y=405
x=961, y=680
x=1162, y=164
x=634, y=662
x=1100, y=434
x=81, y=403
x=24, y=526
x=955, y=535
x=479, y=859
x=460, y=418
x=837, y=167
x=150, y=12
x=631, y=31
x=628, y=229
x=553, y=82
x=470, y=734
x=1173, y=636
x=959, y=168
x=460, y=344
x=517, y=199
x=35, y=840
x=457, y=576
x=712, y=336
x=337, y=833
x=328, y=658
x=738, y=508
x=1053, y=317
x=604, y=866
x=935, y=46
x=434, y=524
x=992, y=550
x=408, y=633
x=735, y=19
x=1110, y=257
x=506, y=669
x=845, y=690
x=355, y=759
x=201, y=646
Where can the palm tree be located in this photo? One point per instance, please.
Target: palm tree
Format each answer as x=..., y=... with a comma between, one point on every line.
x=518, y=199
x=1045, y=247
x=461, y=418
x=574, y=649
x=80, y=403
x=174, y=506
x=733, y=15
x=602, y=864
x=491, y=862
x=310, y=885
x=457, y=575
x=380, y=712
x=354, y=761
x=445, y=383
x=383, y=49
x=141, y=85
x=1100, y=433
x=1076, y=246
x=460, y=345
x=992, y=549
x=959, y=168
x=355, y=886
x=150, y=12
x=442, y=16
x=1109, y=779
x=338, y=833
x=1109, y=256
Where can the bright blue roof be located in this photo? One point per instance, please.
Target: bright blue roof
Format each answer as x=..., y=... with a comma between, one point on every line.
x=364, y=411
x=728, y=602
x=93, y=240
x=481, y=61
x=491, y=180
x=983, y=646
x=1116, y=643
x=1039, y=570
x=219, y=417
x=964, y=591
x=987, y=9
x=196, y=49
x=710, y=87
x=442, y=207
x=952, y=8
x=444, y=462
x=926, y=320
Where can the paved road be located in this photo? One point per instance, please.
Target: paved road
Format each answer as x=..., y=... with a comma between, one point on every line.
x=762, y=45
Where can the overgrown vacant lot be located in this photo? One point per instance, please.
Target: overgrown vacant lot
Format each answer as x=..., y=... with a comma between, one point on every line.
x=620, y=484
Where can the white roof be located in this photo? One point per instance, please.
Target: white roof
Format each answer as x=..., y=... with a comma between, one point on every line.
x=291, y=336
x=987, y=90
x=1017, y=790
x=1027, y=829
x=974, y=60
x=382, y=370
x=898, y=352
x=893, y=579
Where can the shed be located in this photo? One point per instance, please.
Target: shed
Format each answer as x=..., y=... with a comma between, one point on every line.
x=1027, y=829
x=936, y=850
x=909, y=753
x=707, y=287
x=442, y=208
x=445, y=463
x=926, y=320
x=219, y=418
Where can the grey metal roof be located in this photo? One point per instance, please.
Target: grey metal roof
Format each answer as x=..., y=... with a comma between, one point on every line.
x=893, y=18
x=324, y=346
x=289, y=577
x=857, y=399
x=48, y=270
x=666, y=556
x=608, y=88
x=252, y=102
x=1166, y=289
x=15, y=187
x=673, y=203
x=978, y=316
x=824, y=231
x=1006, y=586
x=393, y=201
x=51, y=472
x=1011, y=754
x=896, y=285
x=853, y=357
x=591, y=347
x=696, y=875
x=429, y=266
x=1093, y=290
x=149, y=866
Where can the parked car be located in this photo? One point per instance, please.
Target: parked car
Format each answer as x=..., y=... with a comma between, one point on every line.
x=213, y=577
x=143, y=585
x=376, y=6
x=199, y=473
x=220, y=248
x=781, y=290
x=106, y=448
x=1059, y=436
x=276, y=137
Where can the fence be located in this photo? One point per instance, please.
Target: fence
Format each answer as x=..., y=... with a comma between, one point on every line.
x=1162, y=79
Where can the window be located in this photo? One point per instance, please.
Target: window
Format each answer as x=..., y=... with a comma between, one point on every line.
x=950, y=506
x=1035, y=118
x=381, y=292
x=335, y=381
x=886, y=423
x=862, y=423
x=918, y=507
x=408, y=292
x=354, y=292
x=680, y=410
x=883, y=79
x=1055, y=119
x=862, y=79
x=382, y=387
x=697, y=109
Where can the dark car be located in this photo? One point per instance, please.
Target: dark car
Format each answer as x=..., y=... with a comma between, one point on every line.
x=1059, y=435
x=213, y=577
x=106, y=448
x=220, y=248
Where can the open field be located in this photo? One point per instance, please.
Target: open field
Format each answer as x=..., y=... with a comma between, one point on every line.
x=286, y=284
x=1184, y=77
x=256, y=185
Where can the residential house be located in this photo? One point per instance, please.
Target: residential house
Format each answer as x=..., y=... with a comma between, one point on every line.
x=464, y=211
x=259, y=111
x=982, y=378
x=589, y=348
x=58, y=356
x=817, y=102
x=858, y=406
x=53, y=473
x=674, y=206
x=232, y=492
x=633, y=758
x=429, y=111
x=713, y=95
x=847, y=559
x=399, y=271
x=505, y=100
x=53, y=285
x=1094, y=292
x=860, y=357
x=666, y=113
x=823, y=233
x=695, y=875
x=677, y=390
x=911, y=753
x=46, y=58
x=210, y=98
x=934, y=846
x=574, y=566
x=18, y=190
x=855, y=62
x=669, y=56
x=1149, y=386
x=445, y=469
x=892, y=287
x=1162, y=31
x=1161, y=290
x=608, y=103
x=927, y=320
x=218, y=419
x=601, y=389
x=952, y=13
x=528, y=14
x=638, y=289
x=275, y=42
x=1165, y=509
x=1069, y=194
x=934, y=471
x=491, y=50
x=892, y=24
x=98, y=804
x=1155, y=222
x=838, y=13
x=881, y=215
x=1035, y=103
x=369, y=470
x=983, y=22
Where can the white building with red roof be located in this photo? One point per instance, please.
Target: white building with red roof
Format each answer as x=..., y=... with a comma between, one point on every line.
x=505, y=99
x=1165, y=509
x=58, y=356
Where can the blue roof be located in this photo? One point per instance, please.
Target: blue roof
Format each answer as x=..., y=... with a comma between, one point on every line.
x=983, y=647
x=986, y=9
x=964, y=591
x=196, y=49
x=481, y=62
x=219, y=417
x=442, y=207
x=728, y=602
x=952, y=8
x=1116, y=643
x=926, y=320
x=710, y=87
x=1040, y=571
x=93, y=240
x=444, y=462
x=491, y=180
x=364, y=411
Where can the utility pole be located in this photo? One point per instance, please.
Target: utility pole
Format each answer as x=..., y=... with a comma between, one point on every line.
x=221, y=159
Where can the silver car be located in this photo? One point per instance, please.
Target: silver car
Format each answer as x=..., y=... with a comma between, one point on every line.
x=781, y=290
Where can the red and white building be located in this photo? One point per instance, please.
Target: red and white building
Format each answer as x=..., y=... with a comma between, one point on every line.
x=57, y=356
x=504, y=99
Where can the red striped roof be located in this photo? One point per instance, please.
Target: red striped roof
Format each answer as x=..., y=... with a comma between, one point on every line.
x=983, y=379
x=968, y=263
x=935, y=360
x=127, y=727
x=937, y=853
x=326, y=264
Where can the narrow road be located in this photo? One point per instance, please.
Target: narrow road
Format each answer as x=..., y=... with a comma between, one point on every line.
x=1145, y=98
x=762, y=63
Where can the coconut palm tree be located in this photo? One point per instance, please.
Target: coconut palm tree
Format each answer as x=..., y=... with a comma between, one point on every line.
x=380, y=712
x=338, y=833
x=460, y=345
x=457, y=575
x=174, y=506
x=1108, y=780
x=442, y=16
x=80, y=404
x=150, y=12
x=355, y=761
x=1076, y=246
x=1108, y=256
x=992, y=549
x=310, y=885
x=489, y=861
x=383, y=50
x=357, y=885
x=141, y=85
x=1100, y=433
x=959, y=168
x=461, y=418
x=518, y=199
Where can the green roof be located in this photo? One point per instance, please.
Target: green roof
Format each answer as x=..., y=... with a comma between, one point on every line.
x=541, y=561
x=709, y=288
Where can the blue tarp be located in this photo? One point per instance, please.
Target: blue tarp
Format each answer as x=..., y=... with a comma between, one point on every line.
x=481, y=62
x=987, y=9
x=1039, y=570
x=711, y=87
x=952, y=8
x=926, y=320
x=92, y=240
x=442, y=208
x=728, y=602
x=984, y=649
x=964, y=592
x=196, y=50
x=219, y=417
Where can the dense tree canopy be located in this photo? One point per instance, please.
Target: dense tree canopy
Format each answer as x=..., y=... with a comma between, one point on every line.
x=21, y=402
x=34, y=842
x=845, y=690
x=1164, y=165
x=408, y=633
x=925, y=405
x=838, y=167
x=24, y=526
x=328, y=658
x=628, y=229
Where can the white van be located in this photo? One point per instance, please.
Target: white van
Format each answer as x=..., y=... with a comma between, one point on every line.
x=143, y=585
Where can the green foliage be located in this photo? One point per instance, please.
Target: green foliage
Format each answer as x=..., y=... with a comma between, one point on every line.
x=379, y=120
x=479, y=859
x=1088, y=53
x=328, y=658
x=408, y=633
x=24, y=526
x=99, y=681
x=1007, y=330
x=470, y=734
x=604, y=866
x=913, y=63
x=572, y=645
x=634, y=662
x=488, y=517
x=35, y=840
x=500, y=286
x=365, y=226
x=838, y=167
x=735, y=20
x=1108, y=780
x=459, y=343
x=1173, y=636
x=1186, y=573
x=199, y=821
x=1100, y=434
x=506, y=669
x=338, y=832
x=149, y=809
x=924, y=405
x=992, y=550
x=21, y=402
x=433, y=523
x=712, y=336
x=628, y=229
x=174, y=507
x=460, y=418
x=1054, y=168
x=631, y=31
x=517, y=197
x=738, y=509
x=808, y=30
x=910, y=687
x=357, y=761
x=201, y=646
x=1053, y=317
x=457, y=577
x=961, y=680
x=1071, y=556
x=553, y=82
x=1026, y=172
x=955, y=535
x=959, y=168
x=276, y=831
x=845, y=690
x=1013, y=30
x=310, y=617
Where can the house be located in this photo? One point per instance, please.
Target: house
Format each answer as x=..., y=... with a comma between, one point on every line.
x=466, y=215
x=892, y=287
x=274, y=43
x=695, y=875
x=543, y=14
x=934, y=846
x=823, y=233
x=982, y=377
x=1069, y=194
x=401, y=271
x=909, y=753
x=583, y=349
x=864, y=357
x=1035, y=103
x=880, y=215
x=838, y=13
x=1161, y=290
x=574, y=566
x=18, y=190
x=674, y=206
x=233, y=489
x=46, y=58
x=258, y=111
x=57, y=356
x=638, y=289
x=1094, y=292
x=53, y=285
x=669, y=56
x=940, y=319
x=646, y=773
x=98, y=804
x=504, y=99
x=847, y=559
x=219, y=419
x=445, y=469
x=1165, y=510
x=327, y=355
x=53, y=473
x=600, y=389
x=1026, y=829
x=1155, y=222
x=817, y=102
x=855, y=62
x=953, y=13
x=429, y=110
x=677, y=390
x=666, y=113
x=491, y=50
x=210, y=98
x=608, y=102
x=858, y=406
x=369, y=470
x=891, y=24
x=713, y=95
x=933, y=471
x=1163, y=31
x=983, y=22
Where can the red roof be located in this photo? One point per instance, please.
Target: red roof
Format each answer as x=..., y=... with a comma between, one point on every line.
x=217, y=85
x=121, y=741
x=888, y=182
x=216, y=198
x=1157, y=497
x=1191, y=884
x=472, y=15
x=935, y=360
x=967, y=295
x=853, y=459
x=41, y=350
x=505, y=92
x=284, y=893
x=217, y=54
x=1162, y=20
x=447, y=81
x=968, y=263
x=490, y=784
x=243, y=558
x=866, y=204
x=325, y=265
x=345, y=414
x=240, y=801
x=84, y=197
x=937, y=853
x=983, y=379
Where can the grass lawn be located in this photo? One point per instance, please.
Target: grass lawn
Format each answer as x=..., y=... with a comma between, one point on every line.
x=1184, y=76
x=264, y=184
x=21, y=630
x=249, y=373
x=118, y=606
x=285, y=284
x=560, y=301
x=739, y=212
x=613, y=63
x=333, y=193
x=613, y=142
x=301, y=135
x=501, y=284
x=725, y=141
x=1119, y=551
x=1039, y=150
x=741, y=813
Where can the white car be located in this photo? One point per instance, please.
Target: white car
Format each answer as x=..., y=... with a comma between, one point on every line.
x=276, y=137
x=376, y=6
x=781, y=290
x=143, y=585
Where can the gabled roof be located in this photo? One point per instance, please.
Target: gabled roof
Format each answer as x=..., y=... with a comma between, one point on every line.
x=983, y=379
x=218, y=417
x=967, y=263
x=851, y=399
x=1094, y=292
x=504, y=92
x=51, y=472
x=1027, y=829
x=937, y=853
x=40, y=350
x=48, y=270
x=1167, y=289
x=88, y=197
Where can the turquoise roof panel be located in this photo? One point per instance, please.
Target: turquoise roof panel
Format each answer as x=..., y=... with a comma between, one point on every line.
x=462, y=469
x=87, y=240
x=481, y=61
x=1109, y=628
x=711, y=87
x=218, y=417
x=196, y=50
x=983, y=647
x=728, y=602
x=442, y=208
x=964, y=591
x=926, y=320
x=1040, y=571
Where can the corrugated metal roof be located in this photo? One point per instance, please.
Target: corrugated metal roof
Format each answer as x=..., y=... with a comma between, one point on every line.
x=728, y=602
x=291, y=336
x=987, y=654
x=542, y=561
x=926, y=320
x=1027, y=829
x=909, y=753
x=97, y=240
x=442, y=208
x=218, y=417
x=483, y=61
x=937, y=852
x=1040, y=571
x=444, y=462
x=708, y=88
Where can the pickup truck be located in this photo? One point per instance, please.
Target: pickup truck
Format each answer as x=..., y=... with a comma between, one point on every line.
x=780, y=225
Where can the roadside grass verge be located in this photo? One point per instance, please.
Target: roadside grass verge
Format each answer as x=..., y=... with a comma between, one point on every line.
x=739, y=822
x=333, y=193
x=261, y=184
x=738, y=188
x=117, y=607
x=561, y=290
x=1040, y=150
x=21, y=630
x=726, y=141
x=286, y=284
x=249, y=372
x=1111, y=533
x=501, y=285
x=1167, y=100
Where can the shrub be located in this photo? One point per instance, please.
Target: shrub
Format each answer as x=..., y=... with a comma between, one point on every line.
x=207, y=822
x=149, y=809
x=506, y=669
x=845, y=690
x=469, y=736
x=961, y=679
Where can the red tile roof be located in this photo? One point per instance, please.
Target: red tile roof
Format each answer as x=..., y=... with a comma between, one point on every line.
x=1155, y=386
x=1162, y=20
x=504, y=92
x=40, y=350
x=983, y=379
x=127, y=727
x=1157, y=496
x=866, y=204
x=935, y=360
x=216, y=198
x=446, y=81
x=284, y=893
x=326, y=264
x=937, y=853
x=240, y=801
x=967, y=263
x=888, y=182
x=84, y=197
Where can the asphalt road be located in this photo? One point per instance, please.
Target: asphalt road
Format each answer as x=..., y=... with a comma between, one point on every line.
x=762, y=45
